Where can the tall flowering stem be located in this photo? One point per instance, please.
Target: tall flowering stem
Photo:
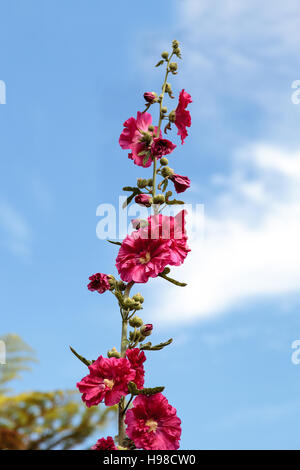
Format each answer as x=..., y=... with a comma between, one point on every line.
x=145, y=418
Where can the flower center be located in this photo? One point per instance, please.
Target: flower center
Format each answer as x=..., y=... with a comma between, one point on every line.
x=152, y=425
x=109, y=383
x=145, y=259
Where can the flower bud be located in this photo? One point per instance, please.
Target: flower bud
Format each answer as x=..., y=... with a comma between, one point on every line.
x=175, y=44
x=164, y=109
x=143, y=199
x=159, y=199
x=172, y=116
x=138, y=298
x=134, y=335
x=113, y=353
x=146, y=329
x=164, y=161
x=150, y=96
x=173, y=66
x=165, y=55
x=167, y=171
x=151, y=128
x=121, y=285
x=129, y=303
x=141, y=183
x=136, y=322
x=150, y=182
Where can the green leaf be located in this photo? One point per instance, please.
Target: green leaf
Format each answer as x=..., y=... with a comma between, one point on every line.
x=157, y=347
x=144, y=391
x=81, y=358
x=159, y=63
x=114, y=243
x=173, y=281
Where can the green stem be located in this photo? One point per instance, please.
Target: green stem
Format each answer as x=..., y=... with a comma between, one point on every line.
x=158, y=128
x=121, y=411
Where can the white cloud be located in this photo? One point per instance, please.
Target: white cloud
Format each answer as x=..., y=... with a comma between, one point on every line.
x=15, y=234
x=251, y=242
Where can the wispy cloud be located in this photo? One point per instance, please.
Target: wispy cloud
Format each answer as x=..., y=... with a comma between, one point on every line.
x=16, y=234
x=251, y=242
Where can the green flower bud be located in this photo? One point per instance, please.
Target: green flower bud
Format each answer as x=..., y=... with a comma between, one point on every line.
x=129, y=303
x=166, y=271
x=164, y=109
x=150, y=182
x=138, y=298
x=159, y=199
x=121, y=285
x=172, y=116
x=136, y=322
x=168, y=87
x=113, y=353
x=165, y=55
x=112, y=281
x=141, y=183
x=151, y=128
x=173, y=66
x=164, y=161
x=175, y=44
x=167, y=171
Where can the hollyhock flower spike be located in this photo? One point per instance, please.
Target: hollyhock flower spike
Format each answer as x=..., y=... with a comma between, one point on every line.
x=152, y=423
x=105, y=444
x=156, y=243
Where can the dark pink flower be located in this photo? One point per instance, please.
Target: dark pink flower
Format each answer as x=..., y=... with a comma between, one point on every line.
x=182, y=116
x=147, y=251
x=137, y=138
x=140, y=258
x=150, y=97
x=146, y=329
x=99, y=282
x=105, y=444
x=181, y=183
x=137, y=359
x=143, y=199
x=152, y=423
x=108, y=380
x=161, y=147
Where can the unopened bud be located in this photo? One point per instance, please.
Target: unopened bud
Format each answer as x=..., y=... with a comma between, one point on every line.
x=167, y=171
x=151, y=128
x=159, y=199
x=141, y=183
x=136, y=322
x=129, y=303
x=113, y=353
x=173, y=66
x=150, y=182
x=172, y=116
x=165, y=55
x=175, y=44
x=150, y=96
x=138, y=297
x=164, y=161
x=164, y=109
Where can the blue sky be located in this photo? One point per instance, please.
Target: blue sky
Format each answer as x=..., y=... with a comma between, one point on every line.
x=74, y=71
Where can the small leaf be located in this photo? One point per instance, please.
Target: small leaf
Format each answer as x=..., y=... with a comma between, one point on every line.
x=114, y=243
x=159, y=63
x=157, y=347
x=81, y=358
x=144, y=391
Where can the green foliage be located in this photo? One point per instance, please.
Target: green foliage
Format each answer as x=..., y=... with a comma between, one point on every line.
x=42, y=420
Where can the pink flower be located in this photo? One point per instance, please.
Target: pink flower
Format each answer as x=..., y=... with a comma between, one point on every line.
x=147, y=251
x=137, y=359
x=182, y=116
x=99, y=282
x=181, y=183
x=137, y=138
x=150, y=97
x=143, y=199
x=152, y=424
x=161, y=147
x=172, y=230
x=105, y=444
x=139, y=258
x=107, y=380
